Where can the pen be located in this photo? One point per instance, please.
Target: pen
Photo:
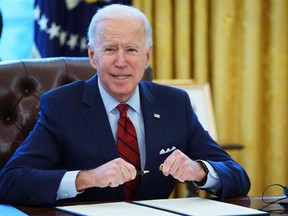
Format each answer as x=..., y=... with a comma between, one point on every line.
x=142, y=172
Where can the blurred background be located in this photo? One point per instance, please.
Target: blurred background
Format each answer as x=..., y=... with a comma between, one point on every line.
x=239, y=47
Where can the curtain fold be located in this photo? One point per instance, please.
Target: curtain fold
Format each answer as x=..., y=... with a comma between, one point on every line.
x=163, y=38
x=251, y=91
x=241, y=48
x=201, y=41
x=182, y=40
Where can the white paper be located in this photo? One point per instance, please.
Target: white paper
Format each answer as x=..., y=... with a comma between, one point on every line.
x=114, y=209
x=200, y=206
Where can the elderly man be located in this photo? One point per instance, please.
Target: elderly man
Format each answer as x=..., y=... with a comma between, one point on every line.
x=95, y=139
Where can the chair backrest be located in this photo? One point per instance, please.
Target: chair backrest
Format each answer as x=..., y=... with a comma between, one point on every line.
x=22, y=83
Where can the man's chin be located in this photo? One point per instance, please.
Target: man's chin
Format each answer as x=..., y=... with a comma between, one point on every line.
x=122, y=95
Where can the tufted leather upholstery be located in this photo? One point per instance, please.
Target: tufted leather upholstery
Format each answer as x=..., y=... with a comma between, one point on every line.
x=22, y=83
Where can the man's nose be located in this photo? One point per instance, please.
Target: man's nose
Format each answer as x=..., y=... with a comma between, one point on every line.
x=120, y=59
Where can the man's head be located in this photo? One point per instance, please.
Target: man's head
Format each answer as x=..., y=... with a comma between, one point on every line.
x=119, y=47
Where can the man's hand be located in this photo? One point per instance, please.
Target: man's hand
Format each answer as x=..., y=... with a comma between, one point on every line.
x=111, y=174
x=182, y=168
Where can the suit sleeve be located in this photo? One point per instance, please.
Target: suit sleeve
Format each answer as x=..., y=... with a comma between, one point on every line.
x=233, y=178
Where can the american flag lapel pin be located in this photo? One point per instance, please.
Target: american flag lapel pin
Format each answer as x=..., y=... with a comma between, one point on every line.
x=156, y=115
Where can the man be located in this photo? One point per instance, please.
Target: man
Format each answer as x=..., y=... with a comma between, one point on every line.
x=73, y=153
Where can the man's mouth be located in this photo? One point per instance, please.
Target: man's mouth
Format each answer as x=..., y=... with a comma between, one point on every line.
x=120, y=77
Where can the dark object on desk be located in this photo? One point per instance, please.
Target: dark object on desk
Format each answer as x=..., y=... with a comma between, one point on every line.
x=21, y=85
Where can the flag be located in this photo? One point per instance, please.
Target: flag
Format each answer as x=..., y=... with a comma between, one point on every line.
x=60, y=26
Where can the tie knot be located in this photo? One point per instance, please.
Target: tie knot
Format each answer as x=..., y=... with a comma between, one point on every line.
x=123, y=108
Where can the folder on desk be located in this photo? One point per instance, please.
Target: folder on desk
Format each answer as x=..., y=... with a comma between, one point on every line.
x=163, y=207
x=114, y=209
x=200, y=206
x=10, y=210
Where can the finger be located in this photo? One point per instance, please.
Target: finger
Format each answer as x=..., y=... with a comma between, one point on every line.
x=180, y=166
x=114, y=179
x=175, y=168
x=128, y=172
x=182, y=177
x=168, y=163
x=188, y=171
x=182, y=172
x=114, y=173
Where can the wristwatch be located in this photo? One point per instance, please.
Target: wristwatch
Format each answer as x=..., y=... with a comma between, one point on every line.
x=203, y=181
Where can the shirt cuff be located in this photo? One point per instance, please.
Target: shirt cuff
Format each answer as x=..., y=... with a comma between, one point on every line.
x=67, y=187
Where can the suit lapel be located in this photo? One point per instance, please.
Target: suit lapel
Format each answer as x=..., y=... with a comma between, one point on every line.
x=152, y=121
x=97, y=122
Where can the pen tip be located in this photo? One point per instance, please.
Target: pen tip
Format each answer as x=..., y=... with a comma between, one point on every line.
x=140, y=172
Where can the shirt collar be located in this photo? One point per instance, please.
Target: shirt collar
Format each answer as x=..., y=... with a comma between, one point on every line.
x=110, y=103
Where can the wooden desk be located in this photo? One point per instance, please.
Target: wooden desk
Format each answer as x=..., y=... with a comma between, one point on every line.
x=257, y=203
x=252, y=202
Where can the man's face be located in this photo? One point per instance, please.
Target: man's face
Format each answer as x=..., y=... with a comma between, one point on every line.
x=120, y=56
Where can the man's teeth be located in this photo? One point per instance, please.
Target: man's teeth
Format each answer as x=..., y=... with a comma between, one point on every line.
x=120, y=76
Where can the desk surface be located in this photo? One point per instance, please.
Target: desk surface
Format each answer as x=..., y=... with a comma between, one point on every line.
x=252, y=202
x=258, y=203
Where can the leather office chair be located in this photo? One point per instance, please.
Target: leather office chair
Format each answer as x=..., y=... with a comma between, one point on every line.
x=22, y=83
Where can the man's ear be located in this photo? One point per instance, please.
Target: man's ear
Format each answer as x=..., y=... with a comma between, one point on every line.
x=148, y=56
x=91, y=57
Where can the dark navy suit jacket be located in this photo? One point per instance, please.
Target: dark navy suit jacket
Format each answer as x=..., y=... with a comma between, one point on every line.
x=73, y=133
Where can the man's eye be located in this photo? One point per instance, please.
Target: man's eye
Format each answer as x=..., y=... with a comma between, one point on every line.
x=109, y=49
x=132, y=50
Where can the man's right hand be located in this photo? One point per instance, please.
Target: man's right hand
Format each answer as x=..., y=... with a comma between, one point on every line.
x=111, y=174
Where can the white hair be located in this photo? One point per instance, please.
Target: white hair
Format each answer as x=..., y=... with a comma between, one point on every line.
x=118, y=11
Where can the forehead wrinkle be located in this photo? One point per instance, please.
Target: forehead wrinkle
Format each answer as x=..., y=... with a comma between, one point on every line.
x=108, y=31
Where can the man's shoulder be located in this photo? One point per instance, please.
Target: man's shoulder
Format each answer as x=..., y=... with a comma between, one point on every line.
x=159, y=88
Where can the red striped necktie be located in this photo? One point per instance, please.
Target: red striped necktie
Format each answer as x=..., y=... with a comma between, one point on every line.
x=128, y=149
